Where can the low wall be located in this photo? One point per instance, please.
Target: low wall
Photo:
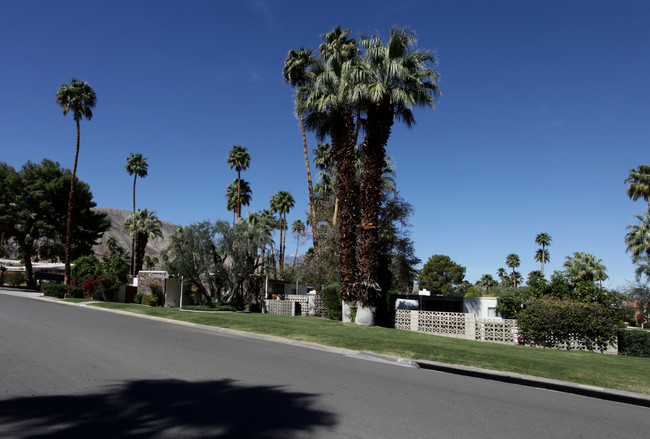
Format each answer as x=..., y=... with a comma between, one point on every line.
x=458, y=325
x=303, y=305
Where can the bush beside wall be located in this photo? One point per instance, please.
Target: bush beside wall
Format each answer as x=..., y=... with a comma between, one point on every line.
x=634, y=343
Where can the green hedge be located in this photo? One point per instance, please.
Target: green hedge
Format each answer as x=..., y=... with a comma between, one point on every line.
x=60, y=291
x=635, y=343
x=549, y=322
x=216, y=307
x=332, y=299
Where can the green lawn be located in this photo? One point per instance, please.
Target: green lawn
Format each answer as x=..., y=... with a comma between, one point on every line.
x=611, y=371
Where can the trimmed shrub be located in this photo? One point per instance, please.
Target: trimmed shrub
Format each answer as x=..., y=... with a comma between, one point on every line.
x=634, y=343
x=149, y=299
x=60, y=291
x=138, y=298
x=332, y=299
x=562, y=323
x=13, y=278
x=157, y=295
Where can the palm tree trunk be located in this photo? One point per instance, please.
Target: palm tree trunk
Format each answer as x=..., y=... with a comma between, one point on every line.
x=134, y=236
x=238, y=194
x=68, y=233
x=543, y=259
x=342, y=136
x=314, y=226
x=379, y=123
x=297, y=245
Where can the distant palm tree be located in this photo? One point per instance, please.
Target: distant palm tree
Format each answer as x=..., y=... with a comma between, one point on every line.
x=298, y=229
x=487, y=282
x=147, y=226
x=150, y=262
x=238, y=193
x=637, y=239
x=639, y=186
x=542, y=255
x=512, y=261
x=502, y=273
x=282, y=202
x=239, y=158
x=136, y=165
x=295, y=73
x=583, y=266
x=79, y=98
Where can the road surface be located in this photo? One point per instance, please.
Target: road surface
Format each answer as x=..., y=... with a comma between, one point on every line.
x=72, y=371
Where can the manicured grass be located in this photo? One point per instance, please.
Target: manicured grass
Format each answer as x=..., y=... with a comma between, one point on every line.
x=77, y=300
x=611, y=371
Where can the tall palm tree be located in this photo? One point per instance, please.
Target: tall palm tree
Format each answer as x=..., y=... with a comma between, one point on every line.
x=512, y=261
x=542, y=255
x=238, y=193
x=393, y=78
x=486, y=282
x=294, y=73
x=79, y=99
x=146, y=225
x=325, y=103
x=298, y=229
x=136, y=165
x=239, y=158
x=282, y=202
x=639, y=183
x=584, y=266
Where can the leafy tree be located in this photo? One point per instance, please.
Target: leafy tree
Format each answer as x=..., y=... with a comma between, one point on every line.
x=542, y=255
x=537, y=282
x=145, y=225
x=282, y=202
x=585, y=267
x=441, y=275
x=137, y=166
x=512, y=261
x=295, y=73
x=640, y=295
x=238, y=193
x=30, y=204
x=219, y=260
x=639, y=183
x=79, y=99
x=239, y=158
x=393, y=77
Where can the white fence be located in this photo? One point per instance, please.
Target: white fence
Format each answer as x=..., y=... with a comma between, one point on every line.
x=458, y=325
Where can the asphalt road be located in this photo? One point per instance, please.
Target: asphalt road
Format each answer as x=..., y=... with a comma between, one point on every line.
x=71, y=371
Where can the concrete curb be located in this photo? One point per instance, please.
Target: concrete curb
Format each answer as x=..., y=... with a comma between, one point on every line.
x=506, y=377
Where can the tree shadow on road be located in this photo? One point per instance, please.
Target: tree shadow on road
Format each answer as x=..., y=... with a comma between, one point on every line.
x=166, y=408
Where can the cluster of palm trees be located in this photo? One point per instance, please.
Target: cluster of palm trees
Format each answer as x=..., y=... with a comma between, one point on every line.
x=353, y=87
x=637, y=238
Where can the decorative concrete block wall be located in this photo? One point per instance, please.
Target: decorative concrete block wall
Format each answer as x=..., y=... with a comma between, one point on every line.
x=303, y=305
x=458, y=325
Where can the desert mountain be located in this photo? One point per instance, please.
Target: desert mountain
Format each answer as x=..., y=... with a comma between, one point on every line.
x=117, y=217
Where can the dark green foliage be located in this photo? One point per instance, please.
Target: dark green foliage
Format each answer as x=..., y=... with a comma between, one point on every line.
x=138, y=298
x=31, y=203
x=156, y=297
x=634, y=343
x=100, y=278
x=86, y=267
x=13, y=278
x=441, y=275
x=216, y=307
x=61, y=291
x=512, y=302
x=332, y=299
x=548, y=322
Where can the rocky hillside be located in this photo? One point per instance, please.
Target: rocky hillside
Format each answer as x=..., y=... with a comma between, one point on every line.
x=117, y=217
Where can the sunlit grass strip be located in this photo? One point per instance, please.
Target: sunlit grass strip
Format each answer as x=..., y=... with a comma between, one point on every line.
x=610, y=371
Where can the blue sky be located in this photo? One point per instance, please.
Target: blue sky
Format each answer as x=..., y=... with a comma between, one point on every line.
x=545, y=108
